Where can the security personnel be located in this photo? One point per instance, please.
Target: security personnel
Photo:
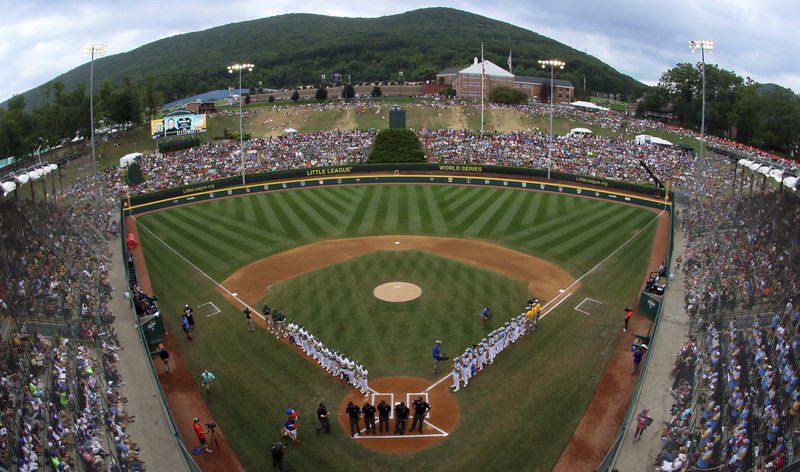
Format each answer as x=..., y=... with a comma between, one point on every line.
x=383, y=416
x=353, y=411
x=401, y=412
x=369, y=417
x=421, y=408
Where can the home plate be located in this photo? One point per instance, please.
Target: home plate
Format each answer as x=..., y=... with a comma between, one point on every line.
x=234, y=294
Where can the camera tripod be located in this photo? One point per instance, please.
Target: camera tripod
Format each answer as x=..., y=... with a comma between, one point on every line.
x=214, y=436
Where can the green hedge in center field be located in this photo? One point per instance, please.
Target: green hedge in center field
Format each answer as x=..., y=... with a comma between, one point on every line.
x=396, y=145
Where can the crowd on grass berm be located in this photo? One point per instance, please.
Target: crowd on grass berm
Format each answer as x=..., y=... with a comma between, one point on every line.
x=735, y=389
x=60, y=402
x=596, y=156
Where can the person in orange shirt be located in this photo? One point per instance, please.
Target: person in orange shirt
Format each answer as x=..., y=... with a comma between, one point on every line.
x=201, y=435
x=628, y=315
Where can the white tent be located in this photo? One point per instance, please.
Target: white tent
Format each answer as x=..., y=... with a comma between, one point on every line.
x=580, y=131
x=647, y=139
x=290, y=131
x=8, y=187
x=128, y=159
x=790, y=182
x=754, y=166
x=764, y=170
x=588, y=106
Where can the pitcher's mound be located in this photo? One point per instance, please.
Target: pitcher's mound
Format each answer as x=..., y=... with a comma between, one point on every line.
x=397, y=292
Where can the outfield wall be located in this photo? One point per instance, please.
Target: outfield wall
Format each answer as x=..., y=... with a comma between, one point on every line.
x=484, y=176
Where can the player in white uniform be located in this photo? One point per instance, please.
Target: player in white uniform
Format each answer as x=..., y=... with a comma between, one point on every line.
x=465, y=374
x=456, y=371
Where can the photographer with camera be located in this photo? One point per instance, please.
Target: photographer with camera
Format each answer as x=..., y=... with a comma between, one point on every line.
x=201, y=434
x=486, y=313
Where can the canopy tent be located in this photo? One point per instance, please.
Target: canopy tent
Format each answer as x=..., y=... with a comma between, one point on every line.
x=128, y=159
x=290, y=131
x=588, y=106
x=580, y=131
x=647, y=139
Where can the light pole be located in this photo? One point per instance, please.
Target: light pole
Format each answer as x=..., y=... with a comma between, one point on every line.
x=93, y=50
x=249, y=68
x=553, y=63
x=703, y=45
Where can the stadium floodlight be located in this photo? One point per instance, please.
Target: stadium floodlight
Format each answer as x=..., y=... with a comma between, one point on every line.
x=240, y=68
x=553, y=63
x=93, y=50
x=8, y=187
x=703, y=45
x=22, y=178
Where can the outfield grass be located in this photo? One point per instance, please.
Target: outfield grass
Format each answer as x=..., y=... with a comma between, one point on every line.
x=222, y=235
x=395, y=338
x=519, y=414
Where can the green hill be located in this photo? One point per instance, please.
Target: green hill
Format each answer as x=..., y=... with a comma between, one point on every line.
x=295, y=49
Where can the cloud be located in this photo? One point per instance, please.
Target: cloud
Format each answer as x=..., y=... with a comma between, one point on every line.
x=41, y=39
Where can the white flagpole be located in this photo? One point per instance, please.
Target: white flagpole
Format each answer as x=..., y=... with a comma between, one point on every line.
x=483, y=78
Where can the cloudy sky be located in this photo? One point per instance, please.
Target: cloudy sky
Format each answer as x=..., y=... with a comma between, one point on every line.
x=40, y=39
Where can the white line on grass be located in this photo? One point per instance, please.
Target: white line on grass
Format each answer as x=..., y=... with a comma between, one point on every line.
x=578, y=307
x=216, y=309
x=408, y=436
x=567, y=290
x=233, y=295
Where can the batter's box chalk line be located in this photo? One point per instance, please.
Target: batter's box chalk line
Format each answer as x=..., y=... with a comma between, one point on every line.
x=213, y=309
x=585, y=300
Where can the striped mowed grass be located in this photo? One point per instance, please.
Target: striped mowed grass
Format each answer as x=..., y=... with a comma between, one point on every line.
x=223, y=235
x=534, y=395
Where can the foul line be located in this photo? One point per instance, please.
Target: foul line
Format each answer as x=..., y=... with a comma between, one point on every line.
x=544, y=313
x=233, y=295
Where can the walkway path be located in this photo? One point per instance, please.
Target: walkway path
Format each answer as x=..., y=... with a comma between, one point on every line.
x=151, y=429
x=654, y=394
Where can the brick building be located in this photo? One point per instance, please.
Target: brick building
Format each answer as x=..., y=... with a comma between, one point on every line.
x=467, y=82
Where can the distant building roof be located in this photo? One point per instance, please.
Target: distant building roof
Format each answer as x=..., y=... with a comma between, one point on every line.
x=450, y=71
x=527, y=79
x=492, y=69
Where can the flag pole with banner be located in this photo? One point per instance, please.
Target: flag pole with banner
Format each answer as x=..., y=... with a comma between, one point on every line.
x=483, y=80
x=509, y=61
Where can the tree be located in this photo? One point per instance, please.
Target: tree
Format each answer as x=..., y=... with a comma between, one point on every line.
x=396, y=145
x=322, y=94
x=271, y=98
x=295, y=96
x=348, y=92
x=507, y=95
x=376, y=91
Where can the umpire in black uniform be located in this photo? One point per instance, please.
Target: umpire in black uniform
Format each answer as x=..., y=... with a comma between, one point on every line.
x=383, y=416
x=353, y=411
x=421, y=408
x=369, y=417
x=401, y=412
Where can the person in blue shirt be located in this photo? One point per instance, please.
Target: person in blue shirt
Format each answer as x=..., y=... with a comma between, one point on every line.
x=436, y=355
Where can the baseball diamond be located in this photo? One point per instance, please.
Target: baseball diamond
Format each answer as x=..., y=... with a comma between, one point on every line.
x=284, y=238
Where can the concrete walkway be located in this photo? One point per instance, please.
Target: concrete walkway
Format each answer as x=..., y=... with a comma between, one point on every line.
x=654, y=394
x=151, y=429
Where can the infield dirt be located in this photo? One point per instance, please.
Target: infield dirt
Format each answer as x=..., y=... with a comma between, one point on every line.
x=252, y=281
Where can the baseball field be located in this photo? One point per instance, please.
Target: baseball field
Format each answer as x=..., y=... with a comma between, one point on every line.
x=319, y=253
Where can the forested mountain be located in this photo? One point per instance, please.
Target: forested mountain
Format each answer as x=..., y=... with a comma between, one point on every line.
x=294, y=49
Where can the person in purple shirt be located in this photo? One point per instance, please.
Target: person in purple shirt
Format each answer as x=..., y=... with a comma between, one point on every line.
x=436, y=355
x=637, y=358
